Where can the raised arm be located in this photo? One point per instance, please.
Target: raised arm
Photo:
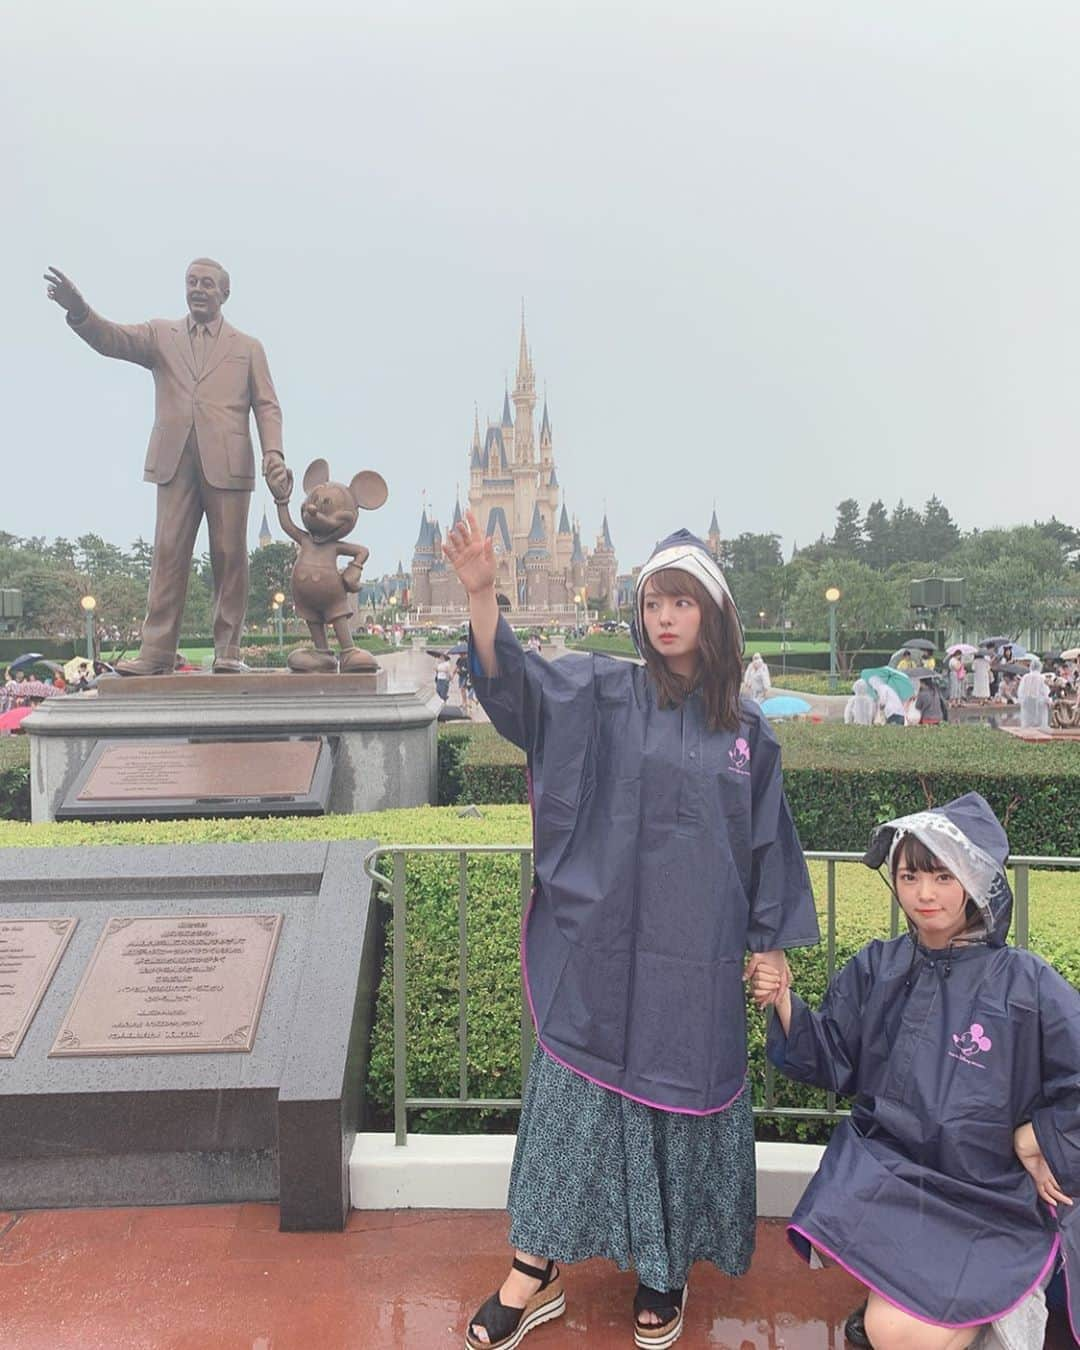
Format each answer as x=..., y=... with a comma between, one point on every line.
x=472, y=556
x=124, y=342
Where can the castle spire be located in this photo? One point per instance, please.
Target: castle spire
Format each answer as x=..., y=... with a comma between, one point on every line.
x=526, y=382
x=476, y=428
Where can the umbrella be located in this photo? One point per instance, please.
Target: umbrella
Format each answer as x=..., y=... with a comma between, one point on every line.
x=920, y=644
x=11, y=719
x=964, y=648
x=458, y=649
x=995, y=642
x=450, y=712
x=897, y=678
x=1011, y=668
x=74, y=669
x=1019, y=651
x=1073, y=654
x=784, y=705
x=27, y=659
x=922, y=673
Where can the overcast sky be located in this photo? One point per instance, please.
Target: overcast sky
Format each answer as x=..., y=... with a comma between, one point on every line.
x=774, y=254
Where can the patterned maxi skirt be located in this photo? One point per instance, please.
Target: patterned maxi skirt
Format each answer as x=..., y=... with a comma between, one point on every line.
x=596, y=1174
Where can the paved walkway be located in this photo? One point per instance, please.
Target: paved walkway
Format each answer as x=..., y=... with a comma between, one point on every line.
x=223, y=1278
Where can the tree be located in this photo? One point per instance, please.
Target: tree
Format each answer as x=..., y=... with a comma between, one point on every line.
x=270, y=570
x=877, y=544
x=868, y=603
x=905, y=533
x=1009, y=595
x=141, y=559
x=847, y=540
x=940, y=533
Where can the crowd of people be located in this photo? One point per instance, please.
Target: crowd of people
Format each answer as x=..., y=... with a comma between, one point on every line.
x=23, y=687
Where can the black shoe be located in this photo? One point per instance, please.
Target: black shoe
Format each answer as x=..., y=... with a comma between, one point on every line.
x=668, y=1305
x=506, y=1327
x=855, y=1329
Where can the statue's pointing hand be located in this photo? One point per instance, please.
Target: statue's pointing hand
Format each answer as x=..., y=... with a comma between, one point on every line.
x=65, y=292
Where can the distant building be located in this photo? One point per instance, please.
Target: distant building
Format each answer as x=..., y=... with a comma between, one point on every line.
x=265, y=537
x=514, y=493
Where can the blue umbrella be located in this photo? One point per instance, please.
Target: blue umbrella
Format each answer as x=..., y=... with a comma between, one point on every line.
x=27, y=659
x=784, y=705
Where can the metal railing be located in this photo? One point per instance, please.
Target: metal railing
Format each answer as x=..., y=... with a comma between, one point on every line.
x=1020, y=867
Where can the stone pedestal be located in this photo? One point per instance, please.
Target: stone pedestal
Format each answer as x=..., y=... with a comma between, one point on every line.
x=384, y=743
x=274, y=1123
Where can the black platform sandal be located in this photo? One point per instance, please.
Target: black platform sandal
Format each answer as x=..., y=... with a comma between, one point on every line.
x=506, y=1327
x=668, y=1306
x=855, y=1329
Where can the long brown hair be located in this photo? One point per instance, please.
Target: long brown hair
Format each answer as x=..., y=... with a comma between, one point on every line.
x=719, y=672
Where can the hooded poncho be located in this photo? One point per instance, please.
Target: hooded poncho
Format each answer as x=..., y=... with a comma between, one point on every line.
x=946, y=1052
x=663, y=851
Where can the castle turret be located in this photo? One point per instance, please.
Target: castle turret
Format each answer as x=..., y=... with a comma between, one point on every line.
x=265, y=537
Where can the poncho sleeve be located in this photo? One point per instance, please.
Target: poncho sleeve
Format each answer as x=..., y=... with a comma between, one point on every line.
x=782, y=910
x=514, y=698
x=822, y=1048
x=1056, y=1120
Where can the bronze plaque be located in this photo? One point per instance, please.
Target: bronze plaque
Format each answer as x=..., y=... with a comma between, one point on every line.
x=30, y=951
x=203, y=770
x=159, y=986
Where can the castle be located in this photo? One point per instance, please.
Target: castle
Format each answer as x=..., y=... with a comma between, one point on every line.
x=514, y=493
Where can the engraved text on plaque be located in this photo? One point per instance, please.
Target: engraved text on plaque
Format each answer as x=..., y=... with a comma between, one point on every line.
x=30, y=951
x=172, y=985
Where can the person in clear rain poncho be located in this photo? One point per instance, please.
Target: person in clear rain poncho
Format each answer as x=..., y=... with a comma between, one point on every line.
x=757, y=682
x=951, y=1191
x=1033, y=695
x=664, y=852
x=861, y=707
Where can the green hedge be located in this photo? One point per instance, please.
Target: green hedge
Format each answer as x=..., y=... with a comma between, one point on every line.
x=14, y=778
x=54, y=649
x=842, y=781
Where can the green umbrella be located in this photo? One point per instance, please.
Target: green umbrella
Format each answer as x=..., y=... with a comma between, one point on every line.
x=897, y=678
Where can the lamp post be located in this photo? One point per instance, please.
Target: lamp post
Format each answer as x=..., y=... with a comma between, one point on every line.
x=89, y=604
x=832, y=595
x=279, y=610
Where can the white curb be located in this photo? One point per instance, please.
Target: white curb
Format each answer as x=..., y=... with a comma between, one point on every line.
x=472, y=1171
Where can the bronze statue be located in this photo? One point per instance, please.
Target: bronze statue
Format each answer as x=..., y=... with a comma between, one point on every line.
x=320, y=592
x=208, y=379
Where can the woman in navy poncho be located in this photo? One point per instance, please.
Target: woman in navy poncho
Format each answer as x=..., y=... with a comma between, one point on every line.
x=949, y=1192
x=664, y=851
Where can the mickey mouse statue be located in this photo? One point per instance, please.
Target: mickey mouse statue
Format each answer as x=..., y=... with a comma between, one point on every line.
x=320, y=592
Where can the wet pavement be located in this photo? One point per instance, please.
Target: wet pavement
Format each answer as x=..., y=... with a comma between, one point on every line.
x=224, y=1278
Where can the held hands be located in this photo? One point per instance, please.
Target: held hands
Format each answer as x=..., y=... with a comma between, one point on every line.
x=65, y=293
x=279, y=479
x=769, y=977
x=471, y=555
x=1026, y=1147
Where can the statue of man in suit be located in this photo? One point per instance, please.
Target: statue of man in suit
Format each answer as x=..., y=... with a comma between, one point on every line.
x=208, y=378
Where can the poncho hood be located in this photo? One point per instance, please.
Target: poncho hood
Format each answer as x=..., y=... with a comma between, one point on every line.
x=968, y=838
x=686, y=553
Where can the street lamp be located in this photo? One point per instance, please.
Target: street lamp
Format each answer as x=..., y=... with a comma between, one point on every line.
x=761, y=618
x=580, y=598
x=89, y=604
x=279, y=604
x=832, y=595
